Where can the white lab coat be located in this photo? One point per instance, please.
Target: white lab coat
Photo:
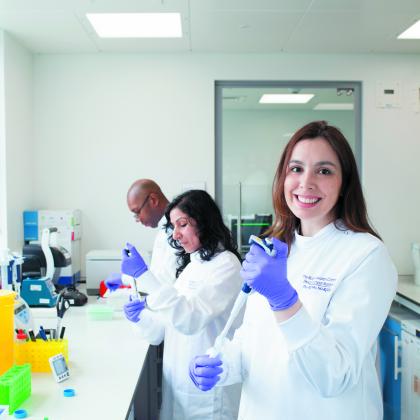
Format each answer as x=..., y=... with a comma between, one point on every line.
x=163, y=263
x=319, y=364
x=189, y=315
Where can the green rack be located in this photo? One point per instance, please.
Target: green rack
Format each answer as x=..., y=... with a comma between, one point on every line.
x=15, y=386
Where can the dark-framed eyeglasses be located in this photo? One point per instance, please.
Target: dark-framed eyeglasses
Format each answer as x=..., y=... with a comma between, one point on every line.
x=137, y=213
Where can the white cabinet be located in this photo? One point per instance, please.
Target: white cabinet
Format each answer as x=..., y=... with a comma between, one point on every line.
x=410, y=396
x=99, y=265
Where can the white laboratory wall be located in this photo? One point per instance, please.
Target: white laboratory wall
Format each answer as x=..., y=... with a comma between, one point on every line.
x=252, y=144
x=3, y=198
x=103, y=120
x=17, y=129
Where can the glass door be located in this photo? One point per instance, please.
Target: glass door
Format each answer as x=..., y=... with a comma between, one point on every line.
x=252, y=129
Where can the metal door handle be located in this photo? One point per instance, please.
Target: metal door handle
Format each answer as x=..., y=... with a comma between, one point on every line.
x=397, y=369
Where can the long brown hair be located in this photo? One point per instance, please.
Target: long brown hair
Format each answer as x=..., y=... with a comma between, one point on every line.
x=350, y=207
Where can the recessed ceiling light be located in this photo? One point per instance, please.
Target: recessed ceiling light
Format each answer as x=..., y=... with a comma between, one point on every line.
x=284, y=98
x=136, y=25
x=413, y=32
x=334, y=107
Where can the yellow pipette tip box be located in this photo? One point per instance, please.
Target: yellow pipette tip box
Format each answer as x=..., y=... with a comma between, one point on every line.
x=38, y=352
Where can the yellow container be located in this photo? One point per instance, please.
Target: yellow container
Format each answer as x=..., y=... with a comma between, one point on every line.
x=7, y=302
x=38, y=352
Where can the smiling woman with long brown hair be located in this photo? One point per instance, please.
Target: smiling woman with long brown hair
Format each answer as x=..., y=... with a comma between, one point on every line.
x=308, y=345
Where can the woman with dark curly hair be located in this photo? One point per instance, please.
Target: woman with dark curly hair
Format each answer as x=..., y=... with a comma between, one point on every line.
x=190, y=314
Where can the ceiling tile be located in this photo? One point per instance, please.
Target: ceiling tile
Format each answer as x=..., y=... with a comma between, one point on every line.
x=47, y=32
x=350, y=32
x=242, y=31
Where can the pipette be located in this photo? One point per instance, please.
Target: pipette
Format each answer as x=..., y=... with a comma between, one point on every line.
x=267, y=246
x=62, y=305
x=132, y=282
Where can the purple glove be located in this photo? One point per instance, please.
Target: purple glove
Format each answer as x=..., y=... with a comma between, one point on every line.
x=133, y=308
x=268, y=275
x=113, y=281
x=205, y=371
x=132, y=262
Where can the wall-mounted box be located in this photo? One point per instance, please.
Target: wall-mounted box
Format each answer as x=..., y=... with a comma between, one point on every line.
x=388, y=94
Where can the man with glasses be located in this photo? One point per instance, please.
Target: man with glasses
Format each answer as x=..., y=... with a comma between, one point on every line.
x=147, y=202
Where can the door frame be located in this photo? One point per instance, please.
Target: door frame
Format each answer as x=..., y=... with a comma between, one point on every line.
x=222, y=84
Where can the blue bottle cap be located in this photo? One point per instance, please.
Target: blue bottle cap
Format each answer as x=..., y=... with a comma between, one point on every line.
x=69, y=392
x=21, y=414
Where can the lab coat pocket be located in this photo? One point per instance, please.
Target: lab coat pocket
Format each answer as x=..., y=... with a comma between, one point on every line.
x=195, y=405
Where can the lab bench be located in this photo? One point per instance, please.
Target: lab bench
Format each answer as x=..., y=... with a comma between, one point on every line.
x=114, y=373
x=105, y=362
x=408, y=293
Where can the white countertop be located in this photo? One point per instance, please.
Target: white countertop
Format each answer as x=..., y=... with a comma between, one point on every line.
x=408, y=289
x=105, y=361
x=408, y=293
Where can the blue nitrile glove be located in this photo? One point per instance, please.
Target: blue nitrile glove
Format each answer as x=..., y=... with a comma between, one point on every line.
x=113, y=281
x=268, y=275
x=205, y=371
x=133, y=308
x=132, y=262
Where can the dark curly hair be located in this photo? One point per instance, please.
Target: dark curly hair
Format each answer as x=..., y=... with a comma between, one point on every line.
x=214, y=236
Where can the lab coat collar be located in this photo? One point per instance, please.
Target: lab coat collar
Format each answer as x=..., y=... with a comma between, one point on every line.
x=307, y=241
x=195, y=256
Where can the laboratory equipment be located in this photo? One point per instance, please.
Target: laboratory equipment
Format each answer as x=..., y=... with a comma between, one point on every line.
x=132, y=263
x=44, y=260
x=10, y=270
x=37, y=353
x=69, y=233
x=100, y=312
x=15, y=386
x=415, y=253
x=41, y=261
x=42, y=334
x=38, y=292
x=41, y=270
x=7, y=299
x=267, y=246
x=131, y=281
x=62, y=305
x=410, y=386
x=99, y=263
x=59, y=367
x=4, y=268
x=16, y=263
x=23, y=316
